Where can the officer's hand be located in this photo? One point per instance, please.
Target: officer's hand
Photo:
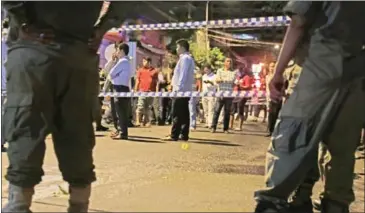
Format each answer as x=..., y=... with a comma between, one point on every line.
x=276, y=88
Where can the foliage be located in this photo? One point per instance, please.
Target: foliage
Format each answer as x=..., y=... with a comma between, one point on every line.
x=199, y=52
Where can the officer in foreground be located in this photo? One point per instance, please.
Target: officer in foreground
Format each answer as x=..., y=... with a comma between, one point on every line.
x=326, y=105
x=52, y=84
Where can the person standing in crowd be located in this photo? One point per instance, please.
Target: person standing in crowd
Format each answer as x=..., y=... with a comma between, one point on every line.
x=225, y=79
x=98, y=112
x=208, y=102
x=182, y=81
x=155, y=109
x=50, y=92
x=326, y=105
x=146, y=81
x=194, y=100
x=164, y=80
x=108, y=87
x=120, y=76
x=259, y=103
x=243, y=83
x=4, y=49
x=274, y=106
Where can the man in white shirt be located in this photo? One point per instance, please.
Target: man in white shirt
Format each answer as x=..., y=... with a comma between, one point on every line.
x=208, y=102
x=182, y=81
x=120, y=76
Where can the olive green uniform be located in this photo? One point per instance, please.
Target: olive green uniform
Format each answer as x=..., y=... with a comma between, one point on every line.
x=327, y=105
x=52, y=87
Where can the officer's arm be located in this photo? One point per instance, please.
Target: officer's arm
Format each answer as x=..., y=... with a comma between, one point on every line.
x=302, y=14
x=115, y=16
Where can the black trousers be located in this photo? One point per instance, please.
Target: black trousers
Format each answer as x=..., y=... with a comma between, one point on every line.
x=180, y=118
x=164, y=110
x=122, y=109
x=226, y=104
x=274, y=110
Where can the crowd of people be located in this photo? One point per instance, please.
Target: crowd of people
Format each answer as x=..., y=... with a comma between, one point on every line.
x=210, y=111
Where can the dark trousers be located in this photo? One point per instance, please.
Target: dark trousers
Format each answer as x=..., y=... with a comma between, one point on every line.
x=122, y=109
x=273, y=115
x=164, y=109
x=226, y=104
x=180, y=118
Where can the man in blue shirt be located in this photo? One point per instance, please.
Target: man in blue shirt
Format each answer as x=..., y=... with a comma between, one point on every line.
x=182, y=81
x=120, y=76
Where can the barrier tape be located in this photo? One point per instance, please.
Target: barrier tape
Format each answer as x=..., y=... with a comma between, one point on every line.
x=219, y=94
x=270, y=21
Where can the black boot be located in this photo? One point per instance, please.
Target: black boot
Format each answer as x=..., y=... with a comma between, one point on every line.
x=329, y=206
x=270, y=207
x=20, y=199
x=79, y=199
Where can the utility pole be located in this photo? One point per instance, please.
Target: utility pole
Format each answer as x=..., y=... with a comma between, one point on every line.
x=206, y=30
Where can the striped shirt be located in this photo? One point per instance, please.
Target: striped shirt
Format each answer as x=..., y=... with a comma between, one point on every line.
x=227, y=80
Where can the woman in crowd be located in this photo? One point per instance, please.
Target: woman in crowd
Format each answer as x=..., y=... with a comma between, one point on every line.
x=208, y=102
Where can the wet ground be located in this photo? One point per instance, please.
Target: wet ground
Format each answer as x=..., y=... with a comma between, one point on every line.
x=217, y=173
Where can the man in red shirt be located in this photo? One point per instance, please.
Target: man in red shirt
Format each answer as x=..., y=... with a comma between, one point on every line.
x=146, y=81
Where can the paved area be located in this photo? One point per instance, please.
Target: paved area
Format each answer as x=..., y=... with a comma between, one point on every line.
x=217, y=173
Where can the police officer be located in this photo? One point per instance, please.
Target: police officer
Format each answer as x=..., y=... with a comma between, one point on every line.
x=52, y=84
x=327, y=105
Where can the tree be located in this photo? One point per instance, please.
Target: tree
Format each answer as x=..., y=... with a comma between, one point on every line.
x=199, y=51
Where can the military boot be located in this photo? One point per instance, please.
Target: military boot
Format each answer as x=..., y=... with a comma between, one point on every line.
x=79, y=199
x=20, y=199
x=270, y=207
x=330, y=206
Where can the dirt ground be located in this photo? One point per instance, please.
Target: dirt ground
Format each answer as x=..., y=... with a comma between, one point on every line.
x=217, y=173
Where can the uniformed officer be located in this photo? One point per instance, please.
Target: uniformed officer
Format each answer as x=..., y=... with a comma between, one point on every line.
x=52, y=81
x=327, y=105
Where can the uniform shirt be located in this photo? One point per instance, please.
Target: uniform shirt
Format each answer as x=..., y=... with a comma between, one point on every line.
x=64, y=17
x=337, y=22
x=228, y=78
x=183, y=78
x=147, y=78
x=208, y=87
x=121, y=73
